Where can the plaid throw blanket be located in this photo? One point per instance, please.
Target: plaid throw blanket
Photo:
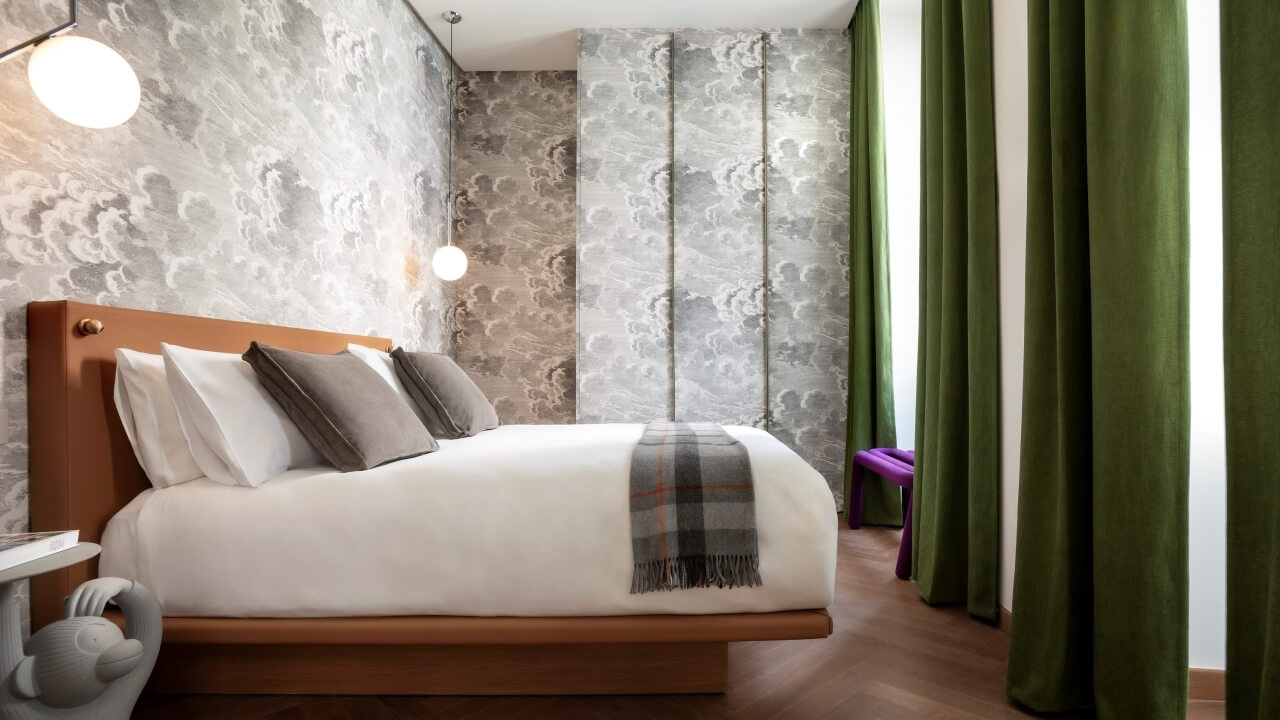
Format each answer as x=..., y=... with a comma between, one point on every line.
x=693, y=513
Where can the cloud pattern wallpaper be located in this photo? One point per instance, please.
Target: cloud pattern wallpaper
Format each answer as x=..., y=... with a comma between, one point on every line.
x=624, y=226
x=288, y=165
x=516, y=171
x=718, y=239
x=713, y=266
x=662, y=234
x=808, y=245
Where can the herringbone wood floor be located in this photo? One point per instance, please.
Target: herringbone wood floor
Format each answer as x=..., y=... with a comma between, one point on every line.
x=891, y=657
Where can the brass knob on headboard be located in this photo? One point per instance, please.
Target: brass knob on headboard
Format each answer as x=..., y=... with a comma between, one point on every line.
x=90, y=326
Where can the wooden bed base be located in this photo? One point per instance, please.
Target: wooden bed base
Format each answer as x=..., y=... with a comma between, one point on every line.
x=83, y=471
x=612, y=669
x=464, y=655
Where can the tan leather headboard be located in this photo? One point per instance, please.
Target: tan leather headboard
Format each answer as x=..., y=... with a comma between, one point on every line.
x=82, y=467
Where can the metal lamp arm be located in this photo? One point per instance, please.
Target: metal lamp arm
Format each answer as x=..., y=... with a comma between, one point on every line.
x=43, y=36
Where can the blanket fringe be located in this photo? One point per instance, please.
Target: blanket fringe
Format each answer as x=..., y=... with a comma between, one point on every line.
x=722, y=571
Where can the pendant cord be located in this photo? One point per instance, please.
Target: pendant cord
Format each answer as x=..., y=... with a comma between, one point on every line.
x=452, y=111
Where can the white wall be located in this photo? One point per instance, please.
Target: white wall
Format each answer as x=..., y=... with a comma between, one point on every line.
x=1009, y=56
x=900, y=23
x=1208, y=498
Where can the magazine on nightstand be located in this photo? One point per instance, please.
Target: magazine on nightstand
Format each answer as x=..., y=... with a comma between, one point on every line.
x=18, y=548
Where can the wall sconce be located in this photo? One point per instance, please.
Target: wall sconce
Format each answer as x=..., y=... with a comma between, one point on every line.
x=80, y=80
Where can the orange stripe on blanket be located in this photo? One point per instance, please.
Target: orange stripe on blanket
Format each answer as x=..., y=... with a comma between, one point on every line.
x=662, y=516
x=675, y=488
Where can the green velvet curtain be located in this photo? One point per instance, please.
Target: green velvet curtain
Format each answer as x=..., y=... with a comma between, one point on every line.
x=870, y=411
x=1251, y=260
x=955, y=518
x=1100, y=583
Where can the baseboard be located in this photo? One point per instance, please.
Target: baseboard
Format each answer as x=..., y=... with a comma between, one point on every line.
x=1205, y=684
x=1004, y=620
x=1202, y=683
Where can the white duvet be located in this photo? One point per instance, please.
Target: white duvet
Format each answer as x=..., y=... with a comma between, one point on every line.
x=524, y=520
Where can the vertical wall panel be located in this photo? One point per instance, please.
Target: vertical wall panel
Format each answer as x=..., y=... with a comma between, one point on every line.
x=807, y=118
x=719, y=227
x=514, y=314
x=753, y=254
x=624, y=225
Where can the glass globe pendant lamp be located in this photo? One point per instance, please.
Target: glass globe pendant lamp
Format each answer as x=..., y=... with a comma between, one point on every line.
x=84, y=82
x=80, y=80
x=449, y=262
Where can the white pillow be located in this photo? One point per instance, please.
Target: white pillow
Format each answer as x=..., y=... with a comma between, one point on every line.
x=146, y=411
x=385, y=366
x=238, y=434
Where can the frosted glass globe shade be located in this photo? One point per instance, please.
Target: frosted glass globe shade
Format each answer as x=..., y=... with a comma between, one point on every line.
x=449, y=262
x=83, y=81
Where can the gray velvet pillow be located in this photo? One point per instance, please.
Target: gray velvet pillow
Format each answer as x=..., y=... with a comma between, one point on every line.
x=455, y=407
x=352, y=416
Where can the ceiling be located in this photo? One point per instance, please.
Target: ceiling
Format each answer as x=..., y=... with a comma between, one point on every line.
x=532, y=35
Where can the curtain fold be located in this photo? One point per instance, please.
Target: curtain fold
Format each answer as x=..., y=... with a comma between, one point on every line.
x=1100, y=582
x=870, y=402
x=955, y=519
x=1251, y=264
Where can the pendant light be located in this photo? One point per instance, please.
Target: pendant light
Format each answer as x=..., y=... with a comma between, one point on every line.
x=80, y=80
x=449, y=262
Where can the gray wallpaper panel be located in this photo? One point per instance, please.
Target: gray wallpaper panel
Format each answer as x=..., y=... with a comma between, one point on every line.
x=515, y=167
x=624, y=225
x=807, y=113
x=288, y=165
x=719, y=227
x=739, y=356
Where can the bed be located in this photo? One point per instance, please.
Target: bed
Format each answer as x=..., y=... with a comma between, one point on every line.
x=413, y=607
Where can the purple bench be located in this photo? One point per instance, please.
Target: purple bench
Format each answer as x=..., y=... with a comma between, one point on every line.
x=898, y=467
